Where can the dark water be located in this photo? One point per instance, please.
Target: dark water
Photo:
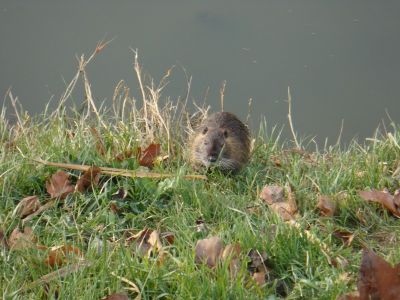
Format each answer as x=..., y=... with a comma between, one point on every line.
x=340, y=58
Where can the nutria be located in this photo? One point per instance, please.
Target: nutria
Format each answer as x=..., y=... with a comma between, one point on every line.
x=223, y=141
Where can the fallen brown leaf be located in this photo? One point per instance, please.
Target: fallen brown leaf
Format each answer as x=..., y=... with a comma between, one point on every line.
x=148, y=242
x=168, y=236
x=272, y=194
x=209, y=251
x=231, y=254
x=350, y=296
x=116, y=296
x=22, y=240
x=59, y=185
x=60, y=255
x=89, y=179
x=259, y=277
x=257, y=261
x=149, y=155
x=345, y=236
x=27, y=206
x=274, y=197
x=390, y=202
x=326, y=206
x=378, y=279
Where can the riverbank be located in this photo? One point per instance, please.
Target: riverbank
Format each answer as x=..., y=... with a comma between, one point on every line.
x=311, y=253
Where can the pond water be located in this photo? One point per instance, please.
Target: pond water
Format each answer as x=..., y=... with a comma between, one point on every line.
x=340, y=58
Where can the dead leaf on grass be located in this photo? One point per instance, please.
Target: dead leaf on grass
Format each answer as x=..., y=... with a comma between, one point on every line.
x=60, y=255
x=89, y=179
x=274, y=197
x=209, y=251
x=326, y=206
x=272, y=194
x=259, y=277
x=116, y=296
x=390, y=202
x=27, y=206
x=350, y=296
x=22, y=240
x=231, y=254
x=378, y=279
x=148, y=243
x=59, y=185
x=345, y=236
x=257, y=266
x=149, y=155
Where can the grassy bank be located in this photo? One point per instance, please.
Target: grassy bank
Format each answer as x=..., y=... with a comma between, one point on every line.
x=100, y=225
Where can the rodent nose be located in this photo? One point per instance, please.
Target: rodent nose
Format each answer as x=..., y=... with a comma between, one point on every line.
x=212, y=158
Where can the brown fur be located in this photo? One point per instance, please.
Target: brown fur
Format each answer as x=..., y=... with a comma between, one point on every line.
x=222, y=140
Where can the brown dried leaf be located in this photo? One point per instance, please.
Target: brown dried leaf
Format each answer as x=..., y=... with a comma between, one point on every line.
x=148, y=242
x=168, y=236
x=22, y=240
x=149, y=155
x=231, y=253
x=27, y=206
x=272, y=194
x=345, y=236
x=59, y=185
x=389, y=201
x=60, y=255
x=274, y=197
x=209, y=251
x=326, y=206
x=378, y=279
x=89, y=179
x=259, y=277
x=350, y=296
x=117, y=296
x=285, y=210
x=257, y=261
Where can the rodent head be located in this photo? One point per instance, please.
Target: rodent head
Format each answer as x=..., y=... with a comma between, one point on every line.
x=213, y=145
x=223, y=141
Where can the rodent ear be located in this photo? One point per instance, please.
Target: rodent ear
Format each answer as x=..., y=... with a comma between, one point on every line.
x=205, y=130
x=225, y=133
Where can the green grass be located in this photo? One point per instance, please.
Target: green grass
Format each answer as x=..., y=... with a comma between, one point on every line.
x=87, y=222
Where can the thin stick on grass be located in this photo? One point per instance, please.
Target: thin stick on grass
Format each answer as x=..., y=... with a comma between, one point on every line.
x=290, y=118
x=118, y=172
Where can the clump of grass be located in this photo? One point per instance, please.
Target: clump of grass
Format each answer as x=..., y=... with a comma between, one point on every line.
x=229, y=205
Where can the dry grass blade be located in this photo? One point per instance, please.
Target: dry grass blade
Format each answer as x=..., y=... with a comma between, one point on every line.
x=133, y=286
x=60, y=273
x=39, y=211
x=119, y=172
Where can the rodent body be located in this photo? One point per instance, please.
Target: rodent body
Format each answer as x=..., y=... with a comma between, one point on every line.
x=223, y=141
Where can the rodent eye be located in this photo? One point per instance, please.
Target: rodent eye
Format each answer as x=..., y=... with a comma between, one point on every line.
x=205, y=130
x=225, y=133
